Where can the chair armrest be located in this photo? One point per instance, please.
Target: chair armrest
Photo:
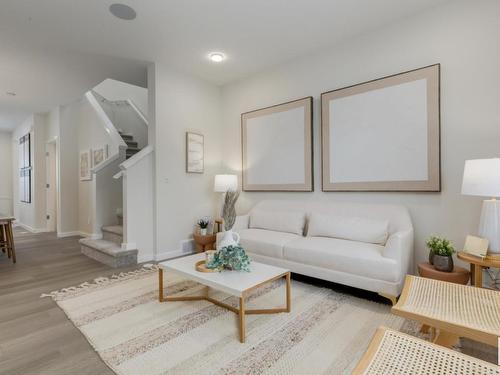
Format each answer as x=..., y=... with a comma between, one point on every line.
x=241, y=222
x=399, y=247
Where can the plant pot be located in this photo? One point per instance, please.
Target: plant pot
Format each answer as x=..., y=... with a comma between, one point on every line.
x=443, y=263
x=431, y=257
x=203, y=231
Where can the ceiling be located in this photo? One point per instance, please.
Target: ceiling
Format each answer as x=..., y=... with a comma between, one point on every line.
x=54, y=50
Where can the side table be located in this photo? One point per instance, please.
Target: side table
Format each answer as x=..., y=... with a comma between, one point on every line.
x=204, y=242
x=459, y=275
x=477, y=264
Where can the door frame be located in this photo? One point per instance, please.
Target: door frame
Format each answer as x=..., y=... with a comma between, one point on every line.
x=54, y=142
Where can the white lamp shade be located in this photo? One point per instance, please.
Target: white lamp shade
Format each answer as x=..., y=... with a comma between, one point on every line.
x=225, y=182
x=482, y=178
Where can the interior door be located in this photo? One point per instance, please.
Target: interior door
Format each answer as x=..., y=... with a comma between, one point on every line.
x=51, y=187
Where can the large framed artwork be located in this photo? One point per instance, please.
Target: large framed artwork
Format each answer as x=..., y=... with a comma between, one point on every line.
x=383, y=135
x=195, y=159
x=277, y=147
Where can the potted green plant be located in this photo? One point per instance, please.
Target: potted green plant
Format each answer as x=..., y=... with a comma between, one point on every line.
x=203, y=224
x=231, y=257
x=440, y=253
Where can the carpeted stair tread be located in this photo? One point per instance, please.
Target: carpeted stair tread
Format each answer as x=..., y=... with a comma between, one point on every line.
x=115, y=229
x=107, y=247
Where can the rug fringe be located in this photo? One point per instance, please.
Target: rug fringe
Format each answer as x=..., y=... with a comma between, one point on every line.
x=99, y=282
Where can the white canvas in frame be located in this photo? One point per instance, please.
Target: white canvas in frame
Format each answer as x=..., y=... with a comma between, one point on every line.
x=383, y=135
x=194, y=153
x=85, y=165
x=277, y=147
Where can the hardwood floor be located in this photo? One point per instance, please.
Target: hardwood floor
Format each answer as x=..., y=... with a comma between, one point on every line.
x=35, y=335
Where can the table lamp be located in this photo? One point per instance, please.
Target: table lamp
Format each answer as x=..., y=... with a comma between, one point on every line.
x=482, y=178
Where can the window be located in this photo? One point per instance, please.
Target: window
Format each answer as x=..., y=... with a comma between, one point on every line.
x=25, y=169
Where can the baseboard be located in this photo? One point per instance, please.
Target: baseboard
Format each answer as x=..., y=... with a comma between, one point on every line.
x=93, y=236
x=171, y=254
x=68, y=234
x=146, y=258
x=30, y=229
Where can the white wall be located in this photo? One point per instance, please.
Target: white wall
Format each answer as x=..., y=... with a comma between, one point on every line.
x=68, y=170
x=115, y=90
x=7, y=173
x=31, y=215
x=183, y=103
x=91, y=134
x=463, y=38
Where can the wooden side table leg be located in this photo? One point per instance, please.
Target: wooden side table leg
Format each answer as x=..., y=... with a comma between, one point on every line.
x=477, y=275
x=242, y=319
x=425, y=329
x=160, y=285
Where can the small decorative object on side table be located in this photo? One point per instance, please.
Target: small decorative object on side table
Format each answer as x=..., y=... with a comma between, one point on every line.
x=440, y=253
x=459, y=275
x=203, y=224
x=204, y=242
x=477, y=264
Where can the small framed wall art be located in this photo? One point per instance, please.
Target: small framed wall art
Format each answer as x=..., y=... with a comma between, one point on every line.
x=383, y=135
x=85, y=165
x=195, y=145
x=99, y=155
x=277, y=147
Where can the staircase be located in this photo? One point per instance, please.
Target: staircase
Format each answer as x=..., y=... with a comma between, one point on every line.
x=108, y=250
x=132, y=148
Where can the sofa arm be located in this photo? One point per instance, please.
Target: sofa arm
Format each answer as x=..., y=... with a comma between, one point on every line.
x=241, y=222
x=399, y=247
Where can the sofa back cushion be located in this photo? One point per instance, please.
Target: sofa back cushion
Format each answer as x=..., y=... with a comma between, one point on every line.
x=349, y=228
x=280, y=221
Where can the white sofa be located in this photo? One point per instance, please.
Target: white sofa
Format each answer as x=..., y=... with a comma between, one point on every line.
x=366, y=246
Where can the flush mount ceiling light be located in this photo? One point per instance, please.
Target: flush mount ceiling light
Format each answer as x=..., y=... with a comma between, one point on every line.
x=10, y=93
x=217, y=57
x=122, y=11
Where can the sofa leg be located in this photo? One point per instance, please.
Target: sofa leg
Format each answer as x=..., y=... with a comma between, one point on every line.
x=393, y=299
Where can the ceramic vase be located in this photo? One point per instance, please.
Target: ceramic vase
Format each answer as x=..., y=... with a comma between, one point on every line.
x=229, y=238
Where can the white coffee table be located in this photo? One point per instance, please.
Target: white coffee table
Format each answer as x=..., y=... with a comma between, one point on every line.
x=235, y=283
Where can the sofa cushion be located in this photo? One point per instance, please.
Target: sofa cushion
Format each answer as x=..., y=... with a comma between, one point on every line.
x=348, y=228
x=284, y=221
x=265, y=242
x=357, y=258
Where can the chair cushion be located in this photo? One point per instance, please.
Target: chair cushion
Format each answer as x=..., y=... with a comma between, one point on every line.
x=358, y=258
x=265, y=242
x=348, y=228
x=286, y=221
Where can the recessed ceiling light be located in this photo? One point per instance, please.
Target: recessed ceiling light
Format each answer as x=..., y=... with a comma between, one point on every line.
x=10, y=93
x=217, y=57
x=122, y=11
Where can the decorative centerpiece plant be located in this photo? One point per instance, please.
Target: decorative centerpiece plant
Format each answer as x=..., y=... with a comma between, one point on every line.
x=231, y=258
x=440, y=253
x=203, y=224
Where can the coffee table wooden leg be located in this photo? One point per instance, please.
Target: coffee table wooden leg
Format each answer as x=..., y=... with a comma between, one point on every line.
x=160, y=285
x=288, y=293
x=242, y=319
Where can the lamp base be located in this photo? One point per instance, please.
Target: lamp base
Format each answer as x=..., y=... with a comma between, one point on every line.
x=489, y=224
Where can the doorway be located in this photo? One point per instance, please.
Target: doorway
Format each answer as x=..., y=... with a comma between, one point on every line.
x=51, y=185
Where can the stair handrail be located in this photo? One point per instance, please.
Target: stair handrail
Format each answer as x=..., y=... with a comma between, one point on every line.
x=138, y=111
x=127, y=164
x=108, y=125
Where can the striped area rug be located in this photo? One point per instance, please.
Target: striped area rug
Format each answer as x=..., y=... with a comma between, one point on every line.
x=325, y=333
